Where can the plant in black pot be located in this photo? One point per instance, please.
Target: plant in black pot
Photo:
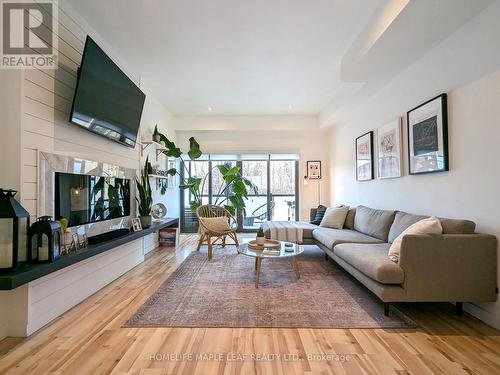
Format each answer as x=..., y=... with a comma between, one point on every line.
x=156, y=135
x=145, y=199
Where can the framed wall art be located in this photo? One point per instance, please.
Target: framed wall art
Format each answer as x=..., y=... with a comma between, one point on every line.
x=428, y=137
x=389, y=149
x=314, y=169
x=364, y=157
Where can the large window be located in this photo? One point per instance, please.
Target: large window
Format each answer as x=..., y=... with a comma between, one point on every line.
x=274, y=175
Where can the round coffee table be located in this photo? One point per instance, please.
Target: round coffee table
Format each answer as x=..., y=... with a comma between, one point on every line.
x=261, y=254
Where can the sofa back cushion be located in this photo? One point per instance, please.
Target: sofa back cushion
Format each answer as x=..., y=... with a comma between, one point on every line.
x=317, y=214
x=403, y=220
x=375, y=223
x=349, y=220
x=450, y=226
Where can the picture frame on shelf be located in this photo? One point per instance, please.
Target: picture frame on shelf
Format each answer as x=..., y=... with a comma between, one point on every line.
x=314, y=169
x=389, y=150
x=364, y=157
x=136, y=224
x=428, y=137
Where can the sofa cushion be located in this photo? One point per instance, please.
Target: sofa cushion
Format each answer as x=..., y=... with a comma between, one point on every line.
x=454, y=226
x=334, y=217
x=307, y=229
x=371, y=260
x=375, y=223
x=330, y=237
x=403, y=220
x=349, y=220
x=318, y=215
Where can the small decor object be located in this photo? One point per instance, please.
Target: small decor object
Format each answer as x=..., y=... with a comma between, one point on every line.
x=364, y=157
x=261, y=237
x=144, y=200
x=136, y=224
x=159, y=211
x=14, y=223
x=267, y=244
x=83, y=241
x=313, y=169
x=44, y=238
x=156, y=135
x=66, y=238
x=389, y=149
x=428, y=137
x=75, y=242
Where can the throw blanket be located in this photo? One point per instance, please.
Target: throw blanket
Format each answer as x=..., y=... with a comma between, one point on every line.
x=290, y=231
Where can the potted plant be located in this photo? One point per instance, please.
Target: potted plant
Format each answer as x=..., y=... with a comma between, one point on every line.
x=261, y=237
x=145, y=199
x=156, y=135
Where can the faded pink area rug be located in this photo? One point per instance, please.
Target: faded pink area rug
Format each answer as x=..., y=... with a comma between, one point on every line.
x=222, y=293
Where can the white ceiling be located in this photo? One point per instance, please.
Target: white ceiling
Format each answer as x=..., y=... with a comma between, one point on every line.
x=261, y=56
x=237, y=56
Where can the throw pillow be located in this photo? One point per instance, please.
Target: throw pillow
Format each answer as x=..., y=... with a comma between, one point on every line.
x=320, y=212
x=430, y=225
x=334, y=217
x=216, y=224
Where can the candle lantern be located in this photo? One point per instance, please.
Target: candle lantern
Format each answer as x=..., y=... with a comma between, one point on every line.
x=14, y=223
x=44, y=240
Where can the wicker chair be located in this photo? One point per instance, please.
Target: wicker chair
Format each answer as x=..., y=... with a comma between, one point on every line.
x=207, y=234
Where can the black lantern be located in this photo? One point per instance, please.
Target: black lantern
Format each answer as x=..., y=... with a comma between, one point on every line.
x=44, y=240
x=14, y=223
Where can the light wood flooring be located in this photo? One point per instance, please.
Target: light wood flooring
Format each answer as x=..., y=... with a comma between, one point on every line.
x=89, y=340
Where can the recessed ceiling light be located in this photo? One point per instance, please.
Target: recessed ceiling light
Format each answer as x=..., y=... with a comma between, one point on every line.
x=210, y=109
x=290, y=107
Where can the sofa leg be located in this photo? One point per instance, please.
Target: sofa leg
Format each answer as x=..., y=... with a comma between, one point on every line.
x=386, y=308
x=326, y=257
x=459, y=306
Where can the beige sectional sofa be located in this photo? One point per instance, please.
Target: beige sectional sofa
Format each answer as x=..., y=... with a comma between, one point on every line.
x=457, y=266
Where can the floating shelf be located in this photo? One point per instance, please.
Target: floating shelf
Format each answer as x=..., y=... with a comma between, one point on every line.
x=157, y=176
x=159, y=148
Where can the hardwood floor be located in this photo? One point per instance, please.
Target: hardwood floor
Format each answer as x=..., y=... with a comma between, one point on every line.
x=89, y=340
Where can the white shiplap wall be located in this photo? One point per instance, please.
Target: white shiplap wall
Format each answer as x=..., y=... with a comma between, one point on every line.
x=46, y=97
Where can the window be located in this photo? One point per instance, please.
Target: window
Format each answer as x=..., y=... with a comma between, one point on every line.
x=275, y=177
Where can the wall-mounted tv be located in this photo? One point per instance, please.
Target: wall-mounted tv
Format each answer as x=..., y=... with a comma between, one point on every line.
x=106, y=101
x=84, y=199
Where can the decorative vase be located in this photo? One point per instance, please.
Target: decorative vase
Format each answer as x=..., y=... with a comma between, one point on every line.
x=145, y=221
x=156, y=138
x=261, y=239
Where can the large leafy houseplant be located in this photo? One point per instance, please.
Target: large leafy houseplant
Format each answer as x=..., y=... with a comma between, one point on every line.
x=145, y=198
x=232, y=193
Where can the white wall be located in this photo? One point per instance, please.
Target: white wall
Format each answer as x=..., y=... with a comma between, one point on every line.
x=466, y=66
x=34, y=108
x=264, y=134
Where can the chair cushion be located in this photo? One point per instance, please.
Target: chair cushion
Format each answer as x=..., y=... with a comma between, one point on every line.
x=330, y=237
x=371, y=260
x=216, y=224
x=318, y=215
x=334, y=217
x=375, y=223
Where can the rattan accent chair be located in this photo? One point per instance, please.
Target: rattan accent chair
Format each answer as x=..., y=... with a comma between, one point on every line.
x=208, y=234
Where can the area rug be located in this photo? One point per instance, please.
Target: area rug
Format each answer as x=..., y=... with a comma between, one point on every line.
x=221, y=293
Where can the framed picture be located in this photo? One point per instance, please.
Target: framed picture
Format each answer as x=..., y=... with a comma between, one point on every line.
x=314, y=169
x=428, y=137
x=364, y=157
x=389, y=149
x=136, y=224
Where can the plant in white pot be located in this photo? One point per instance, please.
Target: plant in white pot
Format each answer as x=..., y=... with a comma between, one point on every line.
x=145, y=199
x=261, y=238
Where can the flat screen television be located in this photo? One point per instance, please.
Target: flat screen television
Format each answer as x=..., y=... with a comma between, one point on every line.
x=106, y=101
x=84, y=199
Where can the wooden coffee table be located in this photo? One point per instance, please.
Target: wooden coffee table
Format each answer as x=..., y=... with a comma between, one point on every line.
x=259, y=255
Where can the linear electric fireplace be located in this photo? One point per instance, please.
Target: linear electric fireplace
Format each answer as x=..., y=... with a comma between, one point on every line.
x=84, y=199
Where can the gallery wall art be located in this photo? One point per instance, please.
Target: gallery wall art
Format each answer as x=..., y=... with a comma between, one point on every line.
x=364, y=157
x=428, y=137
x=389, y=149
x=314, y=169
